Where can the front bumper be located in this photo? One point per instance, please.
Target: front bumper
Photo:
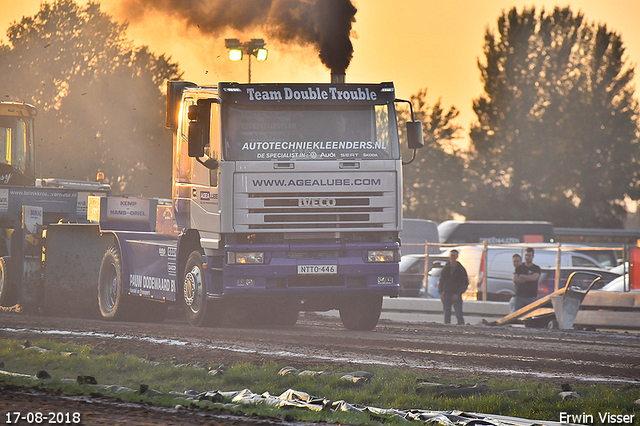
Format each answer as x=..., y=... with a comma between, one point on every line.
x=311, y=270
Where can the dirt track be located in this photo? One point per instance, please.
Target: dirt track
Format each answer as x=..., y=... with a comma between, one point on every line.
x=438, y=351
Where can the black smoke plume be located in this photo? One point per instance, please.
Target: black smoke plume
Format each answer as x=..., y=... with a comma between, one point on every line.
x=325, y=24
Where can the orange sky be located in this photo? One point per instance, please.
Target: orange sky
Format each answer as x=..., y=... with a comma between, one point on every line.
x=414, y=43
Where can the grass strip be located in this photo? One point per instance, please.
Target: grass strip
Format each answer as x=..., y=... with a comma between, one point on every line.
x=71, y=368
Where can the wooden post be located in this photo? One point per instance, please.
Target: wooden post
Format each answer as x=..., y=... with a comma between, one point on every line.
x=426, y=269
x=556, y=284
x=486, y=270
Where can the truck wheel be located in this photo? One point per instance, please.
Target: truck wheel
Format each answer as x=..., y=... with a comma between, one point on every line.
x=193, y=296
x=8, y=289
x=361, y=313
x=110, y=297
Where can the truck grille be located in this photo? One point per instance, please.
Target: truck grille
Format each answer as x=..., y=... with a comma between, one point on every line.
x=361, y=202
x=341, y=211
x=315, y=254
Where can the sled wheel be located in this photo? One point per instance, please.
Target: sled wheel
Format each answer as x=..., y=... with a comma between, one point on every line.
x=361, y=313
x=110, y=297
x=8, y=288
x=198, y=311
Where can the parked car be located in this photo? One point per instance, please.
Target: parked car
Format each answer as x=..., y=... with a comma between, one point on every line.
x=500, y=286
x=621, y=269
x=412, y=277
x=546, y=284
x=619, y=284
x=433, y=277
x=411, y=274
x=430, y=290
x=607, y=257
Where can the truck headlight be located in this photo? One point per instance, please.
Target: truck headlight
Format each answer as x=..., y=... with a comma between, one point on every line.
x=382, y=256
x=253, y=257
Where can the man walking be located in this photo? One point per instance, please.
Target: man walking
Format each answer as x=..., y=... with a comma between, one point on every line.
x=453, y=283
x=526, y=280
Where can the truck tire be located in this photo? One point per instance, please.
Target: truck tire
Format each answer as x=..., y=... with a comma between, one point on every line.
x=110, y=297
x=8, y=289
x=361, y=313
x=193, y=294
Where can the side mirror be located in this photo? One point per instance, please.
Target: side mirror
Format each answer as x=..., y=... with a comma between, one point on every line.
x=414, y=135
x=174, y=96
x=414, y=131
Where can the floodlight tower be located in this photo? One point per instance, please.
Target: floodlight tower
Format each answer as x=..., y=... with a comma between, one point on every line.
x=254, y=47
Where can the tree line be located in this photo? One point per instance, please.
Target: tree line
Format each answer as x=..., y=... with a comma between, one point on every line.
x=99, y=98
x=556, y=136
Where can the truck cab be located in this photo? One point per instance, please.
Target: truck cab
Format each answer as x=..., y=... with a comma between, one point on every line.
x=17, y=144
x=293, y=192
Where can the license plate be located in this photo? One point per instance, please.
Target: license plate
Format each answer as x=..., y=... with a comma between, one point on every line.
x=317, y=269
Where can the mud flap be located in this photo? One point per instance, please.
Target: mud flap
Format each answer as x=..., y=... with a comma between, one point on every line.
x=73, y=254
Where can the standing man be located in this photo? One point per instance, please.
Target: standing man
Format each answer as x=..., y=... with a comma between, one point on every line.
x=453, y=283
x=526, y=279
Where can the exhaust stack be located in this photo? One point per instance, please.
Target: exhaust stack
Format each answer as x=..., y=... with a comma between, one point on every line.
x=337, y=78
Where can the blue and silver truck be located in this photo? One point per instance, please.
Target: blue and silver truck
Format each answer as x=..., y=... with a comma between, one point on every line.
x=285, y=198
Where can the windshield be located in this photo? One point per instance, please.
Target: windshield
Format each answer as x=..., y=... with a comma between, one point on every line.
x=15, y=142
x=310, y=133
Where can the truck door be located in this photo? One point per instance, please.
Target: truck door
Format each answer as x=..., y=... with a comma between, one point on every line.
x=203, y=182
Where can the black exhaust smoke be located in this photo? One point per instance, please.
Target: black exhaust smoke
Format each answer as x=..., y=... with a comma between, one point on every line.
x=325, y=24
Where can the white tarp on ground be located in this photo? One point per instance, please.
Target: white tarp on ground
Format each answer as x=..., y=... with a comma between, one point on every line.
x=297, y=399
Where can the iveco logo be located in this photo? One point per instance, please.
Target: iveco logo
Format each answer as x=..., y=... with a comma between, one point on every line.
x=316, y=202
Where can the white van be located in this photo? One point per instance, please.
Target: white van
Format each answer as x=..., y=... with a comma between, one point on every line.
x=500, y=266
x=415, y=235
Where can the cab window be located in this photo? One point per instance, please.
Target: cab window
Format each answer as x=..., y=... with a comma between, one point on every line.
x=183, y=162
x=212, y=150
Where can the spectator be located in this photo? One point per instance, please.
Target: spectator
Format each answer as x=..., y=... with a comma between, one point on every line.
x=526, y=280
x=453, y=283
